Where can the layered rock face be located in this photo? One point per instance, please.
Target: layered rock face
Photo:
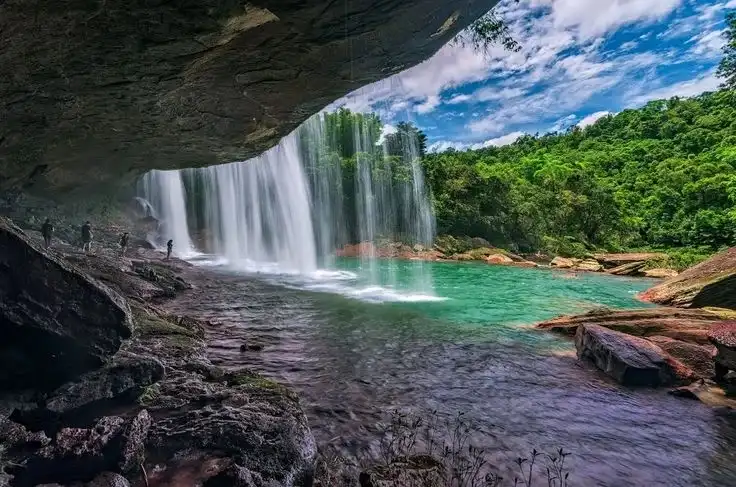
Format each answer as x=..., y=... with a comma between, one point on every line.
x=95, y=93
x=55, y=321
x=710, y=283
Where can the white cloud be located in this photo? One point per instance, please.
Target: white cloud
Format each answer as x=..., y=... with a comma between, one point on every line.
x=386, y=129
x=458, y=99
x=563, y=123
x=443, y=145
x=594, y=18
x=592, y=118
x=499, y=141
x=709, y=44
x=428, y=105
x=684, y=89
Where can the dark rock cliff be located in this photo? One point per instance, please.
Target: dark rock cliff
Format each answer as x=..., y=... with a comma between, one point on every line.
x=94, y=93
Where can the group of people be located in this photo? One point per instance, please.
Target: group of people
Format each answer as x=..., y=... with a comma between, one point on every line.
x=47, y=230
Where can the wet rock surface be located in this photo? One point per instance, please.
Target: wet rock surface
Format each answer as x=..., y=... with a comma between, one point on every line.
x=56, y=321
x=630, y=360
x=710, y=283
x=153, y=405
x=161, y=85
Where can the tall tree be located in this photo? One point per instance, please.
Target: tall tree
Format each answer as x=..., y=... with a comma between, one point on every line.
x=727, y=67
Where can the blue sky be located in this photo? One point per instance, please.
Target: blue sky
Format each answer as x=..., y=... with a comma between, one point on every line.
x=580, y=60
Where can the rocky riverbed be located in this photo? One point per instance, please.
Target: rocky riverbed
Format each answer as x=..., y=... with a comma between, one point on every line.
x=692, y=345
x=102, y=385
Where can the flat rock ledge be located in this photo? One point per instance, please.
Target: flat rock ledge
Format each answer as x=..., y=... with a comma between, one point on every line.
x=652, y=347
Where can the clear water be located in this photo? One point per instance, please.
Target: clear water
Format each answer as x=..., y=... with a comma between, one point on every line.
x=354, y=360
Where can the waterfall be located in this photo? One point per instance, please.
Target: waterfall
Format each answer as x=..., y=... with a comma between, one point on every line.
x=338, y=179
x=165, y=193
x=259, y=210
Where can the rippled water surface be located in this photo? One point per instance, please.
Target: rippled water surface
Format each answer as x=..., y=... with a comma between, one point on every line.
x=466, y=349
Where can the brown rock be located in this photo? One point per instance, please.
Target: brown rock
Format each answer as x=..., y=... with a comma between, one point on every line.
x=630, y=360
x=685, y=325
x=706, y=392
x=629, y=269
x=723, y=336
x=589, y=265
x=699, y=358
x=710, y=283
x=563, y=262
x=613, y=260
x=660, y=273
x=499, y=259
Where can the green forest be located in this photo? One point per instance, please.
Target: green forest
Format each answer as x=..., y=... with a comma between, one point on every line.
x=662, y=176
x=658, y=177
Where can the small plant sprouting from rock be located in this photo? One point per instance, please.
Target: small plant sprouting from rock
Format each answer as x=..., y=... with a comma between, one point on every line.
x=426, y=451
x=487, y=31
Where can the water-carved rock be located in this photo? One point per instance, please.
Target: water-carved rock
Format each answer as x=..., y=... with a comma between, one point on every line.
x=55, y=321
x=630, y=360
x=681, y=324
x=710, y=283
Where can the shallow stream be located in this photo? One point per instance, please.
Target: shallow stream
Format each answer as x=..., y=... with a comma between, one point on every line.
x=355, y=351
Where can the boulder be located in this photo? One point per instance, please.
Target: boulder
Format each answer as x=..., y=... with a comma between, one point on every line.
x=55, y=321
x=630, y=360
x=614, y=260
x=240, y=418
x=404, y=471
x=589, y=265
x=499, y=259
x=629, y=269
x=698, y=358
x=659, y=273
x=686, y=325
x=723, y=336
x=120, y=381
x=80, y=454
x=563, y=262
x=710, y=283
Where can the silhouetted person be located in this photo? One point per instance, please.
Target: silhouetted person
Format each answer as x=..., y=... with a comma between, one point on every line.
x=47, y=230
x=169, y=248
x=124, y=239
x=87, y=236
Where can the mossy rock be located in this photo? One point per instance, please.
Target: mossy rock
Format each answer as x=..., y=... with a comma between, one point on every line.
x=253, y=381
x=147, y=324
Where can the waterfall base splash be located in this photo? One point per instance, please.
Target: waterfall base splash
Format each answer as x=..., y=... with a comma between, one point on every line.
x=289, y=211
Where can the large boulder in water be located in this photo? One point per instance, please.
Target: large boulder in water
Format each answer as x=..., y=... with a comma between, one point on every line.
x=55, y=321
x=710, y=283
x=630, y=360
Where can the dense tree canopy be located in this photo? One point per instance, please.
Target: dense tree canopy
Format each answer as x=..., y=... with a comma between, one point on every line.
x=663, y=175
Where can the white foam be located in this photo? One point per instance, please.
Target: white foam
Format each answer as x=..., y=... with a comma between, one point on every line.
x=332, y=281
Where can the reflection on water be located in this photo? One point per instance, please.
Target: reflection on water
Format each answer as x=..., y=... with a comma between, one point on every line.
x=352, y=362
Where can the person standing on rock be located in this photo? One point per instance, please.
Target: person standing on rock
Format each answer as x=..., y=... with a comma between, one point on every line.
x=87, y=236
x=47, y=230
x=124, y=239
x=169, y=248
